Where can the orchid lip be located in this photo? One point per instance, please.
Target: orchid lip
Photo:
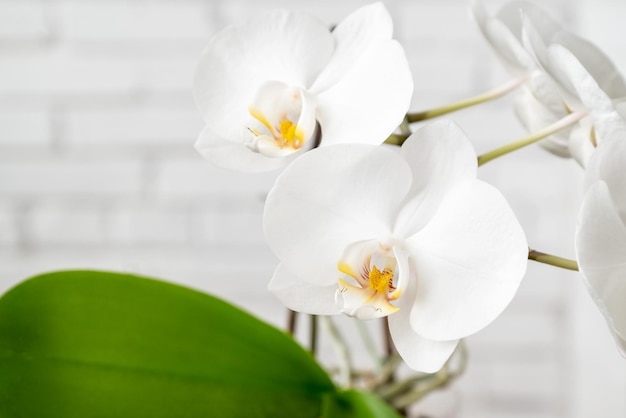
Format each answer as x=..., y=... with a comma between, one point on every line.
x=283, y=120
x=371, y=280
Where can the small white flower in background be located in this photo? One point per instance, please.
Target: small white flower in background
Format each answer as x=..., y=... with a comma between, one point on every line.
x=373, y=231
x=284, y=83
x=524, y=37
x=503, y=31
x=601, y=233
x=539, y=41
x=540, y=101
x=605, y=118
x=586, y=78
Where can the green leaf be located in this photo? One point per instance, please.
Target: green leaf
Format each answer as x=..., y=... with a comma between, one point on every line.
x=357, y=404
x=93, y=344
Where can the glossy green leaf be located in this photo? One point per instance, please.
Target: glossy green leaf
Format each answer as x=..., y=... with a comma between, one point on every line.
x=357, y=404
x=92, y=344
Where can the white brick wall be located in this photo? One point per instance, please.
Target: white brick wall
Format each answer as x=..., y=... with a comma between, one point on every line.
x=98, y=170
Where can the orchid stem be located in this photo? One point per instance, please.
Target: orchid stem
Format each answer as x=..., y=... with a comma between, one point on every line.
x=396, y=139
x=432, y=382
x=404, y=127
x=370, y=346
x=345, y=369
x=552, y=260
x=472, y=101
x=387, y=337
x=568, y=120
x=291, y=321
x=313, y=334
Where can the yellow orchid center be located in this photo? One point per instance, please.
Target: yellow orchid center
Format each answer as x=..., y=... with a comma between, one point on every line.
x=286, y=134
x=370, y=283
x=284, y=120
x=380, y=281
x=289, y=134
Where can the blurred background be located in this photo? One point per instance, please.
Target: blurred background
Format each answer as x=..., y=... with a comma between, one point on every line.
x=98, y=170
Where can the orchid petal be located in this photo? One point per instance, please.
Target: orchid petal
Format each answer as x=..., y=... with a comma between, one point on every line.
x=329, y=198
x=419, y=353
x=534, y=42
x=354, y=36
x=403, y=272
x=577, y=79
x=512, y=12
x=301, y=296
x=350, y=110
x=581, y=145
x=607, y=164
x=236, y=155
x=545, y=89
x=470, y=259
x=440, y=156
x=601, y=254
x=596, y=62
x=534, y=115
x=355, y=258
x=504, y=37
x=287, y=47
x=362, y=303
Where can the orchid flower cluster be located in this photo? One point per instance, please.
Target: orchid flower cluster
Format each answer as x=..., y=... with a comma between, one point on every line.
x=373, y=219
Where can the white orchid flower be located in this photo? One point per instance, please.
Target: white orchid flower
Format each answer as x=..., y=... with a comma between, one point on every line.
x=605, y=117
x=601, y=233
x=539, y=103
x=284, y=83
x=373, y=231
x=503, y=31
x=540, y=40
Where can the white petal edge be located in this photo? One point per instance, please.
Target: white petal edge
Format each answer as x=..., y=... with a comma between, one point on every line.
x=329, y=198
x=580, y=144
x=576, y=78
x=419, y=353
x=505, y=40
x=353, y=37
x=237, y=156
x=370, y=101
x=607, y=164
x=470, y=260
x=596, y=62
x=535, y=116
x=601, y=254
x=301, y=296
x=440, y=155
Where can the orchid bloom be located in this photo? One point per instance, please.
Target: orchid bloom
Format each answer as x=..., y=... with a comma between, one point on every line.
x=285, y=83
x=601, y=233
x=540, y=101
x=539, y=40
x=373, y=231
x=587, y=80
x=606, y=118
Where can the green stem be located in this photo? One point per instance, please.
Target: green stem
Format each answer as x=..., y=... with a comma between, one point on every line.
x=313, y=334
x=345, y=368
x=291, y=321
x=552, y=260
x=422, y=385
x=368, y=341
x=561, y=124
x=472, y=101
x=396, y=139
x=405, y=128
